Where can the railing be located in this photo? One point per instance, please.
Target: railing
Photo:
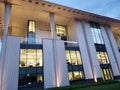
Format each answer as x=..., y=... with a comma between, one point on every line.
x=31, y=40
x=39, y=41
x=71, y=43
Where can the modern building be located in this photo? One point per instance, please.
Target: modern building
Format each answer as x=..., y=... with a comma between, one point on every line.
x=48, y=45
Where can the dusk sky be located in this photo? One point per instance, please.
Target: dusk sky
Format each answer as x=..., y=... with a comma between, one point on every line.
x=110, y=8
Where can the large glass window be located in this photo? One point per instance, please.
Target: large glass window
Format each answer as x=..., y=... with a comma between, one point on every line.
x=30, y=57
x=61, y=31
x=96, y=33
x=76, y=75
x=107, y=74
x=74, y=63
x=31, y=32
x=30, y=71
x=103, y=58
x=73, y=57
x=101, y=51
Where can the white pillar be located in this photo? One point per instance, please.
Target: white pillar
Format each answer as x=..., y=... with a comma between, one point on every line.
x=52, y=25
x=92, y=51
x=4, y=39
x=83, y=51
x=49, y=67
x=113, y=46
x=61, y=64
x=11, y=64
x=109, y=52
x=55, y=66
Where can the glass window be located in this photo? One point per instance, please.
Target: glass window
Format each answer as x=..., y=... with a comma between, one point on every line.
x=61, y=31
x=31, y=32
x=96, y=33
x=73, y=57
x=103, y=58
x=74, y=63
x=107, y=74
x=76, y=75
x=30, y=71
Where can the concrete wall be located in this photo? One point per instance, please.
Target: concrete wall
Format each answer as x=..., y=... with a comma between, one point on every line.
x=113, y=46
x=109, y=51
x=83, y=51
x=55, y=66
x=71, y=34
x=92, y=51
x=48, y=63
x=43, y=30
x=11, y=64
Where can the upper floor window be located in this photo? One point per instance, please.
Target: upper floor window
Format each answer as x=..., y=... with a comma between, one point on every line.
x=31, y=31
x=61, y=31
x=96, y=33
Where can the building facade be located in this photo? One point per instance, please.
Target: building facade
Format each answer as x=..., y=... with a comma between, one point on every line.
x=45, y=45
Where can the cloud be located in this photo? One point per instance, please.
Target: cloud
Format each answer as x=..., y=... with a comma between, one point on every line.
x=108, y=8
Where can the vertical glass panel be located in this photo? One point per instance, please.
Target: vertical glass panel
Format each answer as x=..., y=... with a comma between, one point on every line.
x=107, y=74
x=39, y=58
x=31, y=32
x=96, y=33
x=23, y=58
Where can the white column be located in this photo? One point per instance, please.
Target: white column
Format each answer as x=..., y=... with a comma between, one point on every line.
x=49, y=67
x=92, y=51
x=11, y=64
x=83, y=51
x=52, y=25
x=4, y=39
x=109, y=52
x=113, y=46
x=61, y=64
x=55, y=66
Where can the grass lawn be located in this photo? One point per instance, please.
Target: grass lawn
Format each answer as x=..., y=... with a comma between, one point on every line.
x=115, y=86
x=104, y=85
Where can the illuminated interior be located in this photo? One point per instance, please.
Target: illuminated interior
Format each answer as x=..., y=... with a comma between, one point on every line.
x=73, y=57
x=31, y=58
x=61, y=31
x=76, y=75
x=31, y=67
x=107, y=74
x=103, y=58
x=75, y=72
